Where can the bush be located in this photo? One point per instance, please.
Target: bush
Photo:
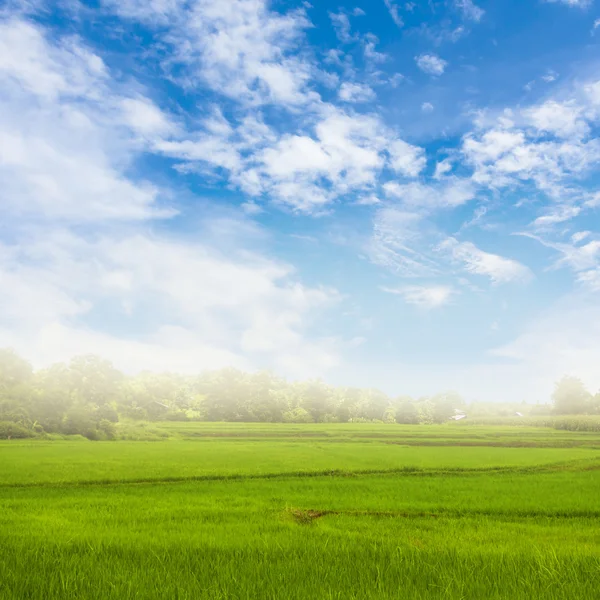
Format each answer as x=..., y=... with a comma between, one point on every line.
x=79, y=420
x=577, y=423
x=140, y=432
x=12, y=431
x=298, y=415
x=108, y=413
x=175, y=415
x=568, y=423
x=108, y=429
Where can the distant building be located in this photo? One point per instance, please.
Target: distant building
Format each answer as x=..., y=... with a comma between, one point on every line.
x=458, y=417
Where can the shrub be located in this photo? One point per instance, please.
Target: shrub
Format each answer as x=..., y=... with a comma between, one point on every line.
x=175, y=415
x=577, y=423
x=79, y=420
x=140, y=432
x=10, y=430
x=298, y=415
x=568, y=423
x=108, y=429
x=108, y=413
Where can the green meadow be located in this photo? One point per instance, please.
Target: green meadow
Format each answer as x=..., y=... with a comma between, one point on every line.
x=315, y=511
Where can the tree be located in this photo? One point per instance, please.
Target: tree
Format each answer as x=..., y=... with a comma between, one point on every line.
x=406, y=412
x=54, y=396
x=444, y=406
x=316, y=399
x=94, y=380
x=374, y=405
x=226, y=395
x=14, y=371
x=297, y=415
x=570, y=397
x=347, y=403
x=266, y=404
x=425, y=409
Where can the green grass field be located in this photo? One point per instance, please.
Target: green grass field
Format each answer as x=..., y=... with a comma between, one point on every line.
x=235, y=511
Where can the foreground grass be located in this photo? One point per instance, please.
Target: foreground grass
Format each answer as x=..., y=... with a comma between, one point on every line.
x=461, y=522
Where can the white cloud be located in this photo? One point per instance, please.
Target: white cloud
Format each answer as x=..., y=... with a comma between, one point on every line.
x=241, y=306
x=498, y=268
x=144, y=117
x=590, y=279
x=341, y=24
x=63, y=134
x=431, y=64
x=70, y=136
x=356, y=92
x=238, y=48
x=576, y=257
x=579, y=236
x=546, y=144
x=324, y=154
x=427, y=107
x=557, y=214
x=442, y=168
x=148, y=11
x=451, y=192
x=345, y=154
x=426, y=297
x=470, y=10
x=251, y=208
x=404, y=238
x=398, y=243
x=370, y=200
x=579, y=258
x=550, y=76
x=562, y=119
x=47, y=71
x=406, y=159
x=394, y=11
x=372, y=56
x=396, y=79
x=347, y=151
x=593, y=201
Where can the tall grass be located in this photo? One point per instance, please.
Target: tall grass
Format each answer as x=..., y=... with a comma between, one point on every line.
x=66, y=461
x=433, y=522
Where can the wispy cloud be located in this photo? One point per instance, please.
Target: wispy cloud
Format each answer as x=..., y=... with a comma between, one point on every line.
x=572, y=3
x=394, y=11
x=470, y=10
x=341, y=24
x=474, y=260
x=426, y=297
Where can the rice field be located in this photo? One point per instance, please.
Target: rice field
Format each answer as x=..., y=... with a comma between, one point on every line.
x=238, y=511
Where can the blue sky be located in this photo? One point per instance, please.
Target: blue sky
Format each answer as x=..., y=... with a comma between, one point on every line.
x=392, y=194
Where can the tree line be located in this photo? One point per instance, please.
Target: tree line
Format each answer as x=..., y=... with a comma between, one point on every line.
x=88, y=396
